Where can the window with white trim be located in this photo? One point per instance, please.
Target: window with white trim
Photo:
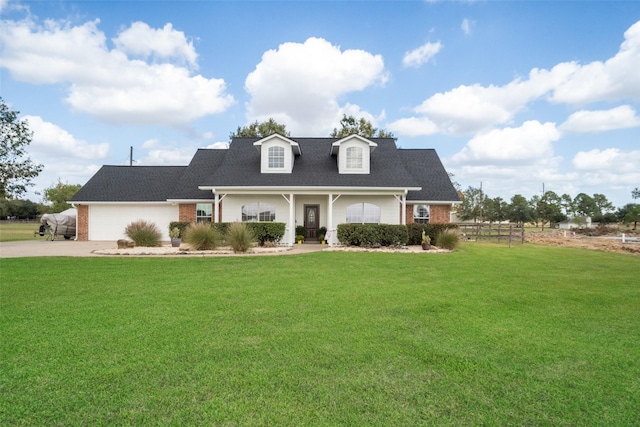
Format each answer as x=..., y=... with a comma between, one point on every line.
x=204, y=212
x=354, y=158
x=262, y=212
x=363, y=213
x=276, y=157
x=421, y=213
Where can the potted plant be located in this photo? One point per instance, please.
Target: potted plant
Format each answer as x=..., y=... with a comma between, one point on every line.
x=174, y=234
x=300, y=238
x=322, y=232
x=426, y=241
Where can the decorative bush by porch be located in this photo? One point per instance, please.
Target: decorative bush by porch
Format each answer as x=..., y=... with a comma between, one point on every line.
x=144, y=233
x=201, y=236
x=180, y=225
x=266, y=231
x=433, y=230
x=447, y=240
x=372, y=234
x=239, y=237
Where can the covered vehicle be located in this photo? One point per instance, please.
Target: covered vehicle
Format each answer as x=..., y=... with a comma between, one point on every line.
x=59, y=224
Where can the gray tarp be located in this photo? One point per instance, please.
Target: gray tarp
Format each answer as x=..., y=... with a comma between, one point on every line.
x=62, y=224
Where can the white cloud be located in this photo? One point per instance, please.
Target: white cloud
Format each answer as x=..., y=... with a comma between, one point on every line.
x=163, y=43
x=218, y=146
x=621, y=117
x=466, y=26
x=615, y=79
x=299, y=84
x=468, y=109
x=527, y=144
x=165, y=155
x=51, y=141
x=613, y=160
x=107, y=83
x=421, y=55
x=414, y=126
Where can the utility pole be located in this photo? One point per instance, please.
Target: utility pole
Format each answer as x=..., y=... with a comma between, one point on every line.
x=131, y=156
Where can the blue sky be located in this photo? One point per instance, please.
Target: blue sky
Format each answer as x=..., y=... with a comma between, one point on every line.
x=512, y=95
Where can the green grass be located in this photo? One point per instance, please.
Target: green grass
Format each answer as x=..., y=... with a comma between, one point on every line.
x=17, y=231
x=487, y=335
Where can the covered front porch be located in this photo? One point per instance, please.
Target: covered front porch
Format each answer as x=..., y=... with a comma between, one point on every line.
x=310, y=208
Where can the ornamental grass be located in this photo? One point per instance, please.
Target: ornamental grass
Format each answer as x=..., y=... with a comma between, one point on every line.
x=239, y=237
x=447, y=240
x=144, y=233
x=201, y=236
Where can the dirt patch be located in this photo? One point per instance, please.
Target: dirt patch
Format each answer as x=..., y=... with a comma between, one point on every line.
x=609, y=243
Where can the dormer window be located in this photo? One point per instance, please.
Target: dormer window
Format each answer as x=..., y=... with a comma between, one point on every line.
x=277, y=153
x=353, y=154
x=354, y=158
x=276, y=157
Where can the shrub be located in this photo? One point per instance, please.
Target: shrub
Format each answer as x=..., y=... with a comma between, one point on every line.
x=266, y=231
x=180, y=225
x=201, y=236
x=239, y=237
x=432, y=230
x=301, y=231
x=372, y=234
x=447, y=240
x=144, y=233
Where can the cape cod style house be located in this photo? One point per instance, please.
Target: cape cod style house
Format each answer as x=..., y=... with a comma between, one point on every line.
x=314, y=182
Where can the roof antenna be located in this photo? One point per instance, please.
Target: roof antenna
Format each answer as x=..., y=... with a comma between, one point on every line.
x=131, y=156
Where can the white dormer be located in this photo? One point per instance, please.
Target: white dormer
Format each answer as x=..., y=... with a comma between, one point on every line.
x=277, y=153
x=354, y=154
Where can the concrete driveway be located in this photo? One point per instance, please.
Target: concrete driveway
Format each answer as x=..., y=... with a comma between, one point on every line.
x=72, y=248
x=33, y=248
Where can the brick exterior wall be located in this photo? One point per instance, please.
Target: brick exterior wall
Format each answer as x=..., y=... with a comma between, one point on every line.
x=440, y=214
x=409, y=215
x=187, y=212
x=82, y=232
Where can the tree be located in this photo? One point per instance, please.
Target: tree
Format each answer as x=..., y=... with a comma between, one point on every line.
x=630, y=213
x=22, y=209
x=494, y=210
x=566, y=203
x=635, y=193
x=58, y=195
x=261, y=130
x=349, y=125
x=585, y=205
x=519, y=210
x=16, y=170
x=549, y=208
x=472, y=204
x=602, y=204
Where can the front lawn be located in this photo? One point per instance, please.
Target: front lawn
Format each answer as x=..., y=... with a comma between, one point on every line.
x=16, y=231
x=487, y=335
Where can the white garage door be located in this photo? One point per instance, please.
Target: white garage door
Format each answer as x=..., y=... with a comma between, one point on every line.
x=107, y=222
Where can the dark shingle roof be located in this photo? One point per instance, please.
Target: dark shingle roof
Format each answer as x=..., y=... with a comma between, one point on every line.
x=425, y=165
x=130, y=184
x=240, y=166
x=204, y=163
x=315, y=167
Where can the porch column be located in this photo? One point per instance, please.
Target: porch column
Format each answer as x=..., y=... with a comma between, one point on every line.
x=292, y=220
x=330, y=219
x=216, y=207
x=403, y=219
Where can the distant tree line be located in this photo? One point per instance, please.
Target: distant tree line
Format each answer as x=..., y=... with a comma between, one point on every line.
x=547, y=209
